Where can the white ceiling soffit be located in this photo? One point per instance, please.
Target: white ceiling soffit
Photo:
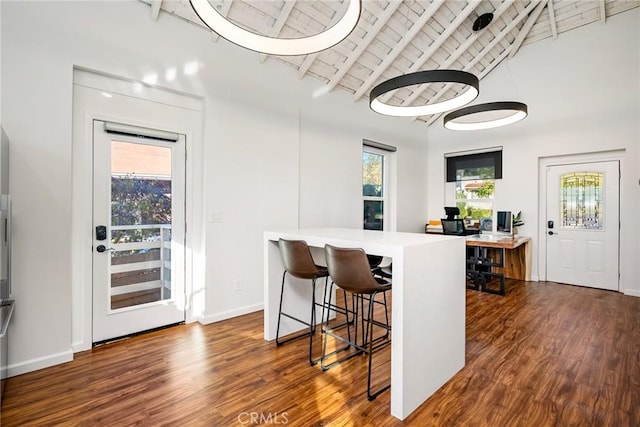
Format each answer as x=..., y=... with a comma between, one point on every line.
x=397, y=37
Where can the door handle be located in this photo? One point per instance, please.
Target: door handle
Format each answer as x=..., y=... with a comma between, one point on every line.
x=551, y=233
x=103, y=248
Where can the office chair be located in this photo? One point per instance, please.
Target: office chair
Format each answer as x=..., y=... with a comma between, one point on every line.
x=455, y=227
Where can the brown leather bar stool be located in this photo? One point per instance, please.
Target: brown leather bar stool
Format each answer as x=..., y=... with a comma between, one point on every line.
x=350, y=270
x=299, y=263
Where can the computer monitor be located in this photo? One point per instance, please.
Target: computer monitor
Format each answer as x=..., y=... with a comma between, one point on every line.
x=505, y=221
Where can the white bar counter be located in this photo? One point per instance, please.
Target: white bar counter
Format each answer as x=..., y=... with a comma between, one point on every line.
x=428, y=303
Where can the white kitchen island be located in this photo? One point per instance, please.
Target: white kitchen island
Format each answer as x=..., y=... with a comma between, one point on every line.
x=428, y=303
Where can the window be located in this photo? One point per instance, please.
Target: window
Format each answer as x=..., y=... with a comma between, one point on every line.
x=373, y=189
x=377, y=164
x=473, y=178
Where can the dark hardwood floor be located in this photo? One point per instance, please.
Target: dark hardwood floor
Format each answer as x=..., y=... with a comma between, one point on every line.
x=543, y=355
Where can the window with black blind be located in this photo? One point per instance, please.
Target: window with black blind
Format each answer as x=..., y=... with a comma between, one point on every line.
x=475, y=177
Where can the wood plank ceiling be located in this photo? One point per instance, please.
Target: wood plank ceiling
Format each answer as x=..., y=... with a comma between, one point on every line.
x=397, y=37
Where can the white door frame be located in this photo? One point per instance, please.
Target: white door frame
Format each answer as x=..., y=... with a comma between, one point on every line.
x=543, y=163
x=101, y=97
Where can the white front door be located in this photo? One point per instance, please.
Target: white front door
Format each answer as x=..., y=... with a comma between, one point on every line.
x=583, y=203
x=139, y=232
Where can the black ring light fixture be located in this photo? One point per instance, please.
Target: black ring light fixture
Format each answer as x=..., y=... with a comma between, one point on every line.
x=421, y=77
x=277, y=46
x=515, y=111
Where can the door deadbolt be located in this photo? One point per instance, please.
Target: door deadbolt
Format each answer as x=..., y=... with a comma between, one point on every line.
x=101, y=232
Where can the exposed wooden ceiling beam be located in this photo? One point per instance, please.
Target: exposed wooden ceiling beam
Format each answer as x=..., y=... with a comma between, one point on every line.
x=308, y=60
x=526, y=28
x=155, y=9
x=398, y=48
x=463, y=48
x=552, y=20
x=277, y=26
x=603, y=12
x=364, y=43
x=306, y=64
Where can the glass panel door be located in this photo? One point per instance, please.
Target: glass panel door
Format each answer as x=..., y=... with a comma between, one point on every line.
x=582, y=232
x=139, y=250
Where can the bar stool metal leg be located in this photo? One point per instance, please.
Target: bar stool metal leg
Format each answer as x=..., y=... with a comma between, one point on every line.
x=370, y=323
x=311, y=324
x=326, y=330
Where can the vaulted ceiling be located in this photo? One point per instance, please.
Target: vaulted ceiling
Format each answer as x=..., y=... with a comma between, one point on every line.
x=398, y=37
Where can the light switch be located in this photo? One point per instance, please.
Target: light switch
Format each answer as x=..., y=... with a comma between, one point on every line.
x=215, y=215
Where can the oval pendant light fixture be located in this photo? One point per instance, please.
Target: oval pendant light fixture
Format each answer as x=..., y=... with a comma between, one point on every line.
x=422, y=77
x=486, y=116
x=277, y=46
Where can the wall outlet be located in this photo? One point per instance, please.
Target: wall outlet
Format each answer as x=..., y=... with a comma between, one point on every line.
x=237, y=285
x=215, y=216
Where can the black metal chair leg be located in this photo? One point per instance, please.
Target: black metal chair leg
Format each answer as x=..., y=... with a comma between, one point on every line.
x=313, y=306
x=280, y=310
x=371, y=396
x=312, y=325
x=327, y=331
x=279, y=342
x=386, y=314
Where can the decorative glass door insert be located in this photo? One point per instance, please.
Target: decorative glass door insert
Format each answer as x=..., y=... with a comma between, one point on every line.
x=581, y=200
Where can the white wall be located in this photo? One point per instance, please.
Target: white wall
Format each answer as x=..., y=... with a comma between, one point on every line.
x=331, y=160
x=274, y=156
x=583, y=95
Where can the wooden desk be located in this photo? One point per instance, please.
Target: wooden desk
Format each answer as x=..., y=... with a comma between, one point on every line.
x=517, y=254
x=428, y=301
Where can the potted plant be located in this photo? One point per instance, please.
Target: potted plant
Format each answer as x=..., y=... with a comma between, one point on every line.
x=516, y=222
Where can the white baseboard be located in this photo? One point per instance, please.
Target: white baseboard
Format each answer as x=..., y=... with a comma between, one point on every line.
x=206, y=319
x=39, y=363
x=80, y=346
x=632, y=292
